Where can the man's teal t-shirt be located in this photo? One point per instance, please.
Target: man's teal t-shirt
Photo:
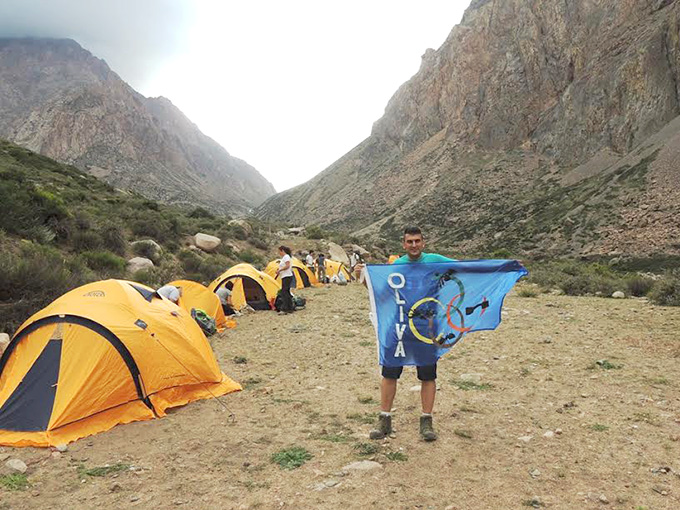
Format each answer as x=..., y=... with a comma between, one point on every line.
x=424, y=257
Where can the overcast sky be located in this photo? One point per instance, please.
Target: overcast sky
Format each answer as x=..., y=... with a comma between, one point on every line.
x=288, y=86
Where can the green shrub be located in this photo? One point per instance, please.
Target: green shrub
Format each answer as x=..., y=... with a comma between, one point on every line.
x=639, y=285
x=14, y=482
x=113, y=239
x=86, y=240
x=32, y=279
x=666, y=292
x=191, y=262
x=238, y=232
x=104, y=261
x=199, y=212
x=258, y=243
x=315, y=232
x=250, y=257
x=291, y=458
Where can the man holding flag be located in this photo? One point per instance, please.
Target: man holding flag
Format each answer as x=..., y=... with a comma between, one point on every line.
x=423, y=304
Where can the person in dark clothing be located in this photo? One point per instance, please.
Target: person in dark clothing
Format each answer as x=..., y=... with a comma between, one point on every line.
x=321, y=268
x=285, y=271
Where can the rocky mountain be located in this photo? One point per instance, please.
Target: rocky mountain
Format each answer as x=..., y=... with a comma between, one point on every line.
x=540, y=126
x=57, y=99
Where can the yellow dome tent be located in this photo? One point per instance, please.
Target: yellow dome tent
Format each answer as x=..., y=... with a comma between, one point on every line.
x=392, y=259
x=333, y=268
x=303, y=276
x=106, y=353
x=250, y=287
x=195, y=295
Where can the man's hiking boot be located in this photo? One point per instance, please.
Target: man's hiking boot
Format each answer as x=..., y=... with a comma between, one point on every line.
x=383, y=429
x=426, y=430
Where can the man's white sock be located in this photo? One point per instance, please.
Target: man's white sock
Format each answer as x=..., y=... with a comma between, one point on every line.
x=384, y=413
x=426, y=414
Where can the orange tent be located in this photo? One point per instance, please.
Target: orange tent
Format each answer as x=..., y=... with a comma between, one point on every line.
x=195, y=295
x=249, y=287
x=106, y=353
x=303, y=276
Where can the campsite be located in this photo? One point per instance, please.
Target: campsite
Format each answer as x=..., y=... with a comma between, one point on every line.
x=570, y=403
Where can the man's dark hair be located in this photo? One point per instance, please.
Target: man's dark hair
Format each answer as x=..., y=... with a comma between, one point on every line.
x=285, y=249
x=413, y=231
x=311, y=252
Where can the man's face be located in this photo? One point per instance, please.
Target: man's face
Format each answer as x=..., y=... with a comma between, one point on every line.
x=414, y=245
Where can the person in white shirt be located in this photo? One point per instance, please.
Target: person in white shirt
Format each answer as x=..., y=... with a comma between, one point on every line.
x=285, y=271
x=170, y=292
x=309, y=260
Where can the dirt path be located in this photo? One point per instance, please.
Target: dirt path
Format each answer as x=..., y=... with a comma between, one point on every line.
x=311, y=380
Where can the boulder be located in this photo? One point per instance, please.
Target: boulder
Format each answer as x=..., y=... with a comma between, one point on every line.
x=16, y=465
x=361, y=251
x=4, y=341
x=337, y=253
x=618, y=295
x=244, y=225
x=138, y=263
x=207, y=242
x=148, y=248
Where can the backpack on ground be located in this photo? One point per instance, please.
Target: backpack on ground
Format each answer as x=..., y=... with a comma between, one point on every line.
x=204, y=320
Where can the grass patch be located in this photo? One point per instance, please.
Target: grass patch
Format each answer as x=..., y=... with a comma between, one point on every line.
x=598, y=427
x=102, y=470
x=366, y=418
x=605, y=364
x=465, y=434
x=527, y=291
x=333, y=438
x=291, y=458
x=14, y=482
x=366, y=449
x=646, y=418
x=366, y=400
x=240, y=360
x=251, y=382
x=365, y=343
x=471, y=385
x=397, y=456
x=533, y=503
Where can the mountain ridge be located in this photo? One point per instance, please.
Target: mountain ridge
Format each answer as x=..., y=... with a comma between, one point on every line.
x=519, y=96
x=58, y=99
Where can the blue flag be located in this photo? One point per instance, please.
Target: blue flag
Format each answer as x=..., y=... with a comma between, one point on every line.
x=421, y=310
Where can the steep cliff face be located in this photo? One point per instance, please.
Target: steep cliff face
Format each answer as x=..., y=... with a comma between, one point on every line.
x=529, y=110
x=59, y=100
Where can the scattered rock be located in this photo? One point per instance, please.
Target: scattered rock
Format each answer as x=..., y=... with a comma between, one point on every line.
x=558, y=432
x=475, y=378
x=549, y=434
x=525, y=439
x=56, y=455
x=116, y=487
x=138, y=263
x=207, y=242
x=363, y=465
x=415, y=388
x=361, y=251
x=4, y=341
x=535, y=473
x=16, y=465
x=148, y=247
x=662, y=470
x=4, y=457
x=603, y=499
x=134, y=498
x=618, y=295
x=62, y=448
x=244, y=225
x=326, y=485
